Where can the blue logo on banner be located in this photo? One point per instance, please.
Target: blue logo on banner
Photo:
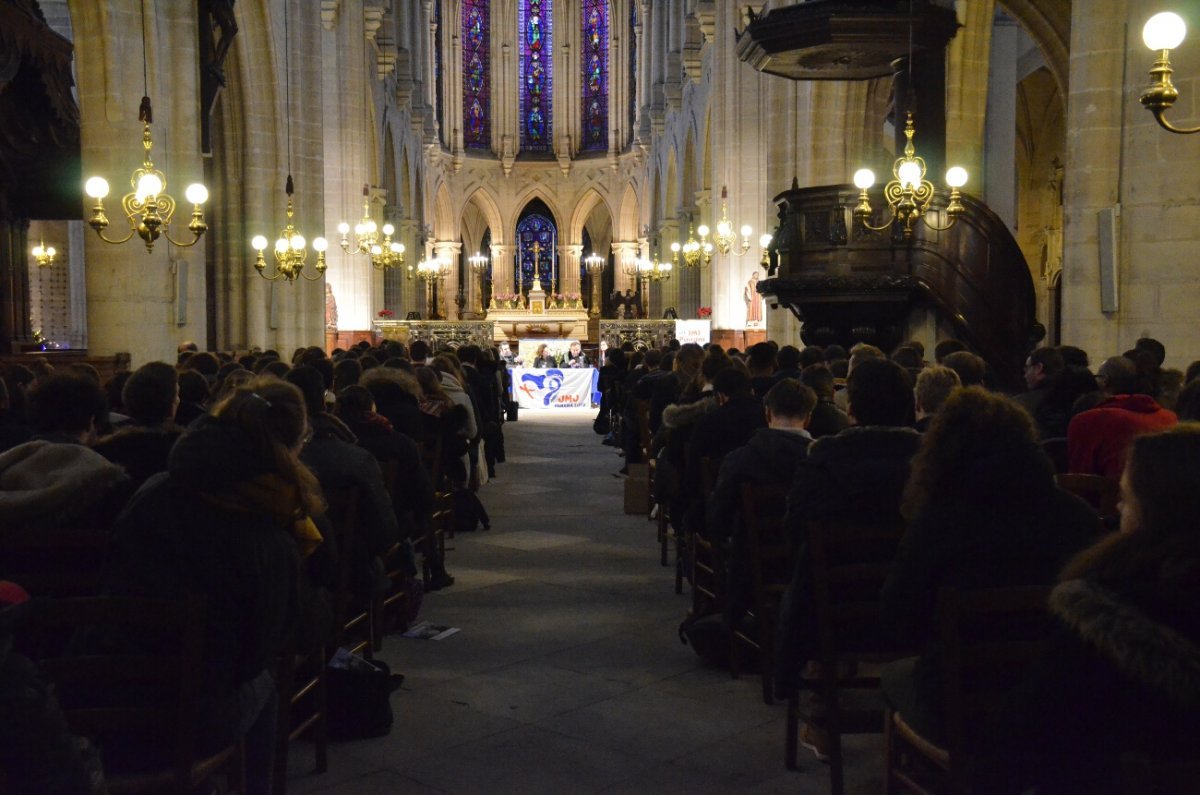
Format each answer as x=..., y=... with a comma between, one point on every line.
x=552, y=381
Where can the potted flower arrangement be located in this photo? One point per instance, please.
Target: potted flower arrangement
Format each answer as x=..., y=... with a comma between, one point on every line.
x=557, y=299
x=574, y=300
x=704, y=312
x=384, y=314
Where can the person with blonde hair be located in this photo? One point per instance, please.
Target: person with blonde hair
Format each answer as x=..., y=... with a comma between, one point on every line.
x=934, y=385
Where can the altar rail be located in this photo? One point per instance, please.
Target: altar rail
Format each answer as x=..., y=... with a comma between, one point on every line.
x=438, y=333
x=642, y=333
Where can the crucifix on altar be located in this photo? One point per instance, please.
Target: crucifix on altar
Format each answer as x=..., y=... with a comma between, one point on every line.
x=537, y=295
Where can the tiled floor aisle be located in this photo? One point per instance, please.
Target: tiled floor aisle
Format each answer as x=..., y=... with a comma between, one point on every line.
x=568, y=675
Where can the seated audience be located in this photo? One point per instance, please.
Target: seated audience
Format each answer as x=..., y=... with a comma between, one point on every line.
x=56, y=480
x=982, y=511
x=934, y=385
x=971, y=369
x=856, y=475
x=760, y=360
x=1120, y=675
x=770, y=457
x=1042, y=367
x=944, y=348
x=193, y=397
x=13, y=427
x=151, y=396
x=827, y=418
x=1098, y=438
x=231, y=519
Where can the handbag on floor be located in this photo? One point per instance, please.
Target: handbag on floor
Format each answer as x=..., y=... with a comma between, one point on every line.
x=359, y=693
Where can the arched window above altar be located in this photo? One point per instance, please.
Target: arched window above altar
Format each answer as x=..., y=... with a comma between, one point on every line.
x=537, y=239
x=535, y=30
x=595, y=75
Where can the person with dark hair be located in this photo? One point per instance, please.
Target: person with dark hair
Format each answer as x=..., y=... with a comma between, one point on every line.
x=1042, y=366
x=770, y=456
x=204, y=363
x=1187, y=405
x=944, y=348
x=418, y=352
x=1098, y=438
x=334, y=457
x=827, y=419
x=118, y=415
x=908, y=358
x=13, y=428
x=1073, y=357
x=142, y=447
x=971, y=369
x=918, y=347
x=790, y=361
x=232, y=520
x=55, y=479
x=1063, y=401
x=983, y=512
x=1156, y=349
x=346, y=373
x=760, y=361
x=685, y=367
x=485, y=399
x=1119, y=676
x=834, y=352
x=856, y=475
x=738, y=415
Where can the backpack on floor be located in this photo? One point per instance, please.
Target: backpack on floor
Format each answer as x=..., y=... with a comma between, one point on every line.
x=468, y=511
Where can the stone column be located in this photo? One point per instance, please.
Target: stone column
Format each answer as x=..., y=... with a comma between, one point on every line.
x=967, y=62
x=131, y=291
x=569, y=259
x=623, y=252
x=447, y=288
x=999, y=185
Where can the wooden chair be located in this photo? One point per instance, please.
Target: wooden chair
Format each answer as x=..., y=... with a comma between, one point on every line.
x=705, y=563
x=1102, y=493
x=353, y=622
x=301, y=685
x=54, y=562
x=849, y=562
x=988, y=638
x=174, y=669
x=763, y=508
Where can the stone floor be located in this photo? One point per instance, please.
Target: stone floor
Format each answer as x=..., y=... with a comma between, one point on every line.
x=568, y=674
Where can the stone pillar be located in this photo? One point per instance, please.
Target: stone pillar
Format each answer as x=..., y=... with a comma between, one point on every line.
x=967, y=63
x=131, y=291
x=503, y=280
x=624, y=252
x=1000, y=138
x=570, y=258
x=448, y=287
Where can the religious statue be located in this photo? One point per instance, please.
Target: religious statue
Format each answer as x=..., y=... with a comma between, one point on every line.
x=754, y=302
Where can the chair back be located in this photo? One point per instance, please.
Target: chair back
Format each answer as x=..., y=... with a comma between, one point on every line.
x=641, y=410
x=348, y=614
x=147, y=694
x=989, y=637
x=54, y=562
x=1102, y=493
x=768, y=557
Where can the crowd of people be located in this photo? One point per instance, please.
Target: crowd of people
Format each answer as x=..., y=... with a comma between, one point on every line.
x=208, y=476
x=969, y=471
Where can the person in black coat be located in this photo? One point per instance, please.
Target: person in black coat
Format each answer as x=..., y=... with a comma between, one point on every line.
x=983, y=512
x=770, y=457
x=151, y=396
x=827, y=418
x=1121, y=673
x=856, y=475
x=230, y=519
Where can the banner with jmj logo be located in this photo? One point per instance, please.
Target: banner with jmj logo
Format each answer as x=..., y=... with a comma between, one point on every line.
x=554, y=388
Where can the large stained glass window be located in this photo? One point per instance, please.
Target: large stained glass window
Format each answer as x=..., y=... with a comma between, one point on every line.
x=595, y=75
x=535, y=28
x=539, y=228
x=477, y=88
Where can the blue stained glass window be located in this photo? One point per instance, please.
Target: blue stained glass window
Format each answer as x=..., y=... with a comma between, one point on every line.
x=477, y=128
x=595, y=75
x=535, y=27
x=540, y=229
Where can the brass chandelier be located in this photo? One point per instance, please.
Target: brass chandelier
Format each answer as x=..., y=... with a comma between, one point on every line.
x=908, y=194
x=1163, y=32
x=291, y=249
x=44, y=255
x=148, y=208
x=726, y=238
x=694, y=251
x=384, y=253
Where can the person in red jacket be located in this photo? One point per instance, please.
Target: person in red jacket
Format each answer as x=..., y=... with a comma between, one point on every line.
x=1097, y=439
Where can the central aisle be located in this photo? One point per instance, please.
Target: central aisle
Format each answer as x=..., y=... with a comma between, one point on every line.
x=568, y=675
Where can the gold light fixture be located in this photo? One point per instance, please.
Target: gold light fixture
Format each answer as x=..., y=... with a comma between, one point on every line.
x=694, y=251
x=908, y=194
x=1163, y=32
x=594, y=263
x=384, y=253
x=764, y=242
x=291, y=249
x=725, y=238
x=479, y=266
x=43, y=255
x=148, y=208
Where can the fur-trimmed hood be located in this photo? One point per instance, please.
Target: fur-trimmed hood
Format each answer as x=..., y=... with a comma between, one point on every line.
x=680, y=415
x=1151, y=653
